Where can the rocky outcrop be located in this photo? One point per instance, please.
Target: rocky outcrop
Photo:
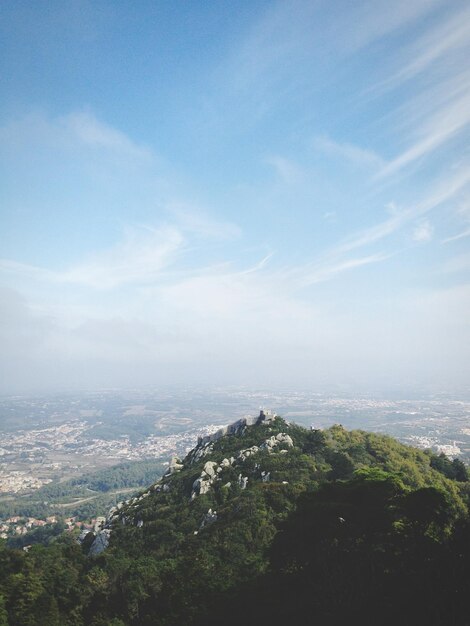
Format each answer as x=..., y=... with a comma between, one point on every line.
x=83, y=535
x=269, y=445
x=209, y=518
x=175, y=465
x=276, y=440
x=242, y=481
x=227, y=462
x=212, y=470
x=199, y=452
x=244, y=454
x=203, y=484
x=264, y=417
x=100, y=543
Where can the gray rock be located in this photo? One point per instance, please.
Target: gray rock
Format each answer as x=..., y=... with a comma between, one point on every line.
x=244, y=454
x=242, y=481
x=200, y=487
x=265, y=476
x=199, y=452
x=209, y=469
x=175, y=465
x=100, y=543
x=265, y=417
x=209, y=518
x=276, y=440
x=83, y=535
x=208, y=476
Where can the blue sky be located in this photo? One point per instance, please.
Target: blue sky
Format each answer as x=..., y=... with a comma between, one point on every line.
x=256, y=193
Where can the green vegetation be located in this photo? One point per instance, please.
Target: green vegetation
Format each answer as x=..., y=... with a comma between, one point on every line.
x=42, y=535
x=90, y=495
x=454, y=469
x=343, y=527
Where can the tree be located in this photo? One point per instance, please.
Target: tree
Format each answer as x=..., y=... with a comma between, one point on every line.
x=3, y=612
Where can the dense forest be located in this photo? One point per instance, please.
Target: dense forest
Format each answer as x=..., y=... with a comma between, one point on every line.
x=270, y=523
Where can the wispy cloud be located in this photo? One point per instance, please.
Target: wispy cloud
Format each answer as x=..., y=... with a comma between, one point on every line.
x=85, y=127
x=445, y=190
x=448, y=37
x=288, y=171
x=436, y=110
x=140, y=258
x=375, y=20
x=310, y=275
x=462, y=235
x=437, y=130
x=77, y=130
x=196, y=221
x=423, y=231
x=355, y=154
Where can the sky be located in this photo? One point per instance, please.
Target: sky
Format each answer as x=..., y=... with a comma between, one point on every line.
x=252, y=193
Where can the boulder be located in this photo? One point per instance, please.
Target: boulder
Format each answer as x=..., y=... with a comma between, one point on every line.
x=209, y=469
x=100, y=543
x=175, y=465
x=244, y=454
x=277, y=440
x=242, y=481
x=265, y=476
x=209, y=518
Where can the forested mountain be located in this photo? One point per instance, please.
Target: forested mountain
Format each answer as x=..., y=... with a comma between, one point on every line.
x=261, y=524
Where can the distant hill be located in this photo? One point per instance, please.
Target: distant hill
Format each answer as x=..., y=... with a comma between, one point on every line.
x=265, y=522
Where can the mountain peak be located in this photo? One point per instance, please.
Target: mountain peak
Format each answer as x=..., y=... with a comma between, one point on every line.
x=263, y=510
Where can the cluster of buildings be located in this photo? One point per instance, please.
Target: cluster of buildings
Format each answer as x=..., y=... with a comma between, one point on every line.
x=432, y=443
x=16, y=481
x=17, y=525
x=31, y=459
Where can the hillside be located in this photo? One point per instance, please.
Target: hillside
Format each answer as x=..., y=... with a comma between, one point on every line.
x=261, y=523
x=86, y=496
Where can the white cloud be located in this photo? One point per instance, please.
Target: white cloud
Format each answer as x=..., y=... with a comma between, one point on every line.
x=436, y=130
x=311, y=275
x=445, y=190
x=288, y=171
x=139, y=258
x=448, y=37
x=84, y=126
x=378, y=18
x=423, y=231
x=462, y=235
x=77, y=130
x=196, y=221
x=355, y=154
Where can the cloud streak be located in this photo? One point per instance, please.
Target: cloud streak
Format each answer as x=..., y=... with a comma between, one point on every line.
x=462, y=235
x=436, y=131
x=140, y=258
